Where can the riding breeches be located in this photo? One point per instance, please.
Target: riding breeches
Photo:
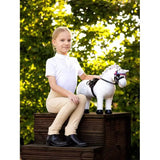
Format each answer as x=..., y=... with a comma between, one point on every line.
x=65, y=109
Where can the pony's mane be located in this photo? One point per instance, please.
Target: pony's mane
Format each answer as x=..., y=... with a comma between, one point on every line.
x=114, y=66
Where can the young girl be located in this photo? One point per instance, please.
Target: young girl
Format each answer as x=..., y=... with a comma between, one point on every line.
x=62, y=71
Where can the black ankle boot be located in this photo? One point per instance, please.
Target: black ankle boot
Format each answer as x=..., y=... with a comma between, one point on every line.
x=108, y=111
x=55, y=140
x=99, y=111
x=73, y=140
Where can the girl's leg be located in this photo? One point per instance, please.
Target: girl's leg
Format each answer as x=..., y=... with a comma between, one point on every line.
x=64, y=107
x=76, y=116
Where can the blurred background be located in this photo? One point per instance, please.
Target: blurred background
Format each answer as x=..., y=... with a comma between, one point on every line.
x=104, y=32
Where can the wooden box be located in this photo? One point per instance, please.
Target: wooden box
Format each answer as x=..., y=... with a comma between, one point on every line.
x=110, y=131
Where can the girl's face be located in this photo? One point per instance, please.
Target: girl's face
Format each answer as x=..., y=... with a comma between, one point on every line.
x=62, y=43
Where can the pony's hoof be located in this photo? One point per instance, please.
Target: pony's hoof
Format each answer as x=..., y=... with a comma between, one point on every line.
x=108, y=111
x=99, y=111
x=86, y=111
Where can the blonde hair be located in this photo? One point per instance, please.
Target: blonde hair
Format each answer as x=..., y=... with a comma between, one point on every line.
x=57, y=31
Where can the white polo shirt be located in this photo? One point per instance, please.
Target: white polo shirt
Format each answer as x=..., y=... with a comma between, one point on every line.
x=65, y=69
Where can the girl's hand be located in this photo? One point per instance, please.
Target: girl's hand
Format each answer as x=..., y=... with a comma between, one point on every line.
x=74, y=98
x=84, y=76
x=52, y=81
x=96, y=76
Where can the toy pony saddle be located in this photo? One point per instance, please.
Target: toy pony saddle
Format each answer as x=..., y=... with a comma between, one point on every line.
x=92, y=83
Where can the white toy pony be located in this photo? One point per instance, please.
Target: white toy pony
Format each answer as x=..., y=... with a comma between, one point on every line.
x=103, y=88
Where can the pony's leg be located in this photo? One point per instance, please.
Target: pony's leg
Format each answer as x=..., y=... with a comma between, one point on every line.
x=99, y=105
x=108, y=105
x=87, y=106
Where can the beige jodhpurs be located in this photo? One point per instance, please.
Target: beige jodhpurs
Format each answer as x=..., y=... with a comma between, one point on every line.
x=65, y=108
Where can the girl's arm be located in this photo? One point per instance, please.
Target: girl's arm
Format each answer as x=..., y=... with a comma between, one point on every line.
x=62, y=91
x=84, y=76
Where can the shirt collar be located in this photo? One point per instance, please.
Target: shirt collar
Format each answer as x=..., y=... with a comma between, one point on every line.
x=61, y=56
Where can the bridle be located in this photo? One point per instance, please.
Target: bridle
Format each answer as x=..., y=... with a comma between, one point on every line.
x=117, y=76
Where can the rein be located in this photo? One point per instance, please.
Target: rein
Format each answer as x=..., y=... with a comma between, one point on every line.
x=108, y=81
x=117, y=77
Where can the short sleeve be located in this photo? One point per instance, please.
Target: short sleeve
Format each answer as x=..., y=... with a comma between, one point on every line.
x=50, y=68
x=80, y=70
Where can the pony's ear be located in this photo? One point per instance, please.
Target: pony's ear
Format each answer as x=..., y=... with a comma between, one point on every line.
x=126, y=70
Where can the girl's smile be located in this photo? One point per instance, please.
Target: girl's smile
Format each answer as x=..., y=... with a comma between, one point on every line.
x=62, y=42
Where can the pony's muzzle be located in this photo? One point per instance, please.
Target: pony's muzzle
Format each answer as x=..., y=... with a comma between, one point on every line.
x=122, y=82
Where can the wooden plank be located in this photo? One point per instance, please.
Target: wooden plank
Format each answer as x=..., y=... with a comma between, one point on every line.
x=43, y=152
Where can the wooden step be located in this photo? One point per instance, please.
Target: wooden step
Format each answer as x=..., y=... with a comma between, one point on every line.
x=91, y=128
x=111, y=131
x=44, y=152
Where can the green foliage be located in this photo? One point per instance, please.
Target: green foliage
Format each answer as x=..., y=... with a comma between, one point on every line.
x=95, y=26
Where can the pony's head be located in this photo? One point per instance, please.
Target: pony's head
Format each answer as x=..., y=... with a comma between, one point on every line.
x=120, y=77
x=117, y=74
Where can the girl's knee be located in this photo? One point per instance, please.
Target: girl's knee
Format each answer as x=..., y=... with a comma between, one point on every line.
x=82, y=98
